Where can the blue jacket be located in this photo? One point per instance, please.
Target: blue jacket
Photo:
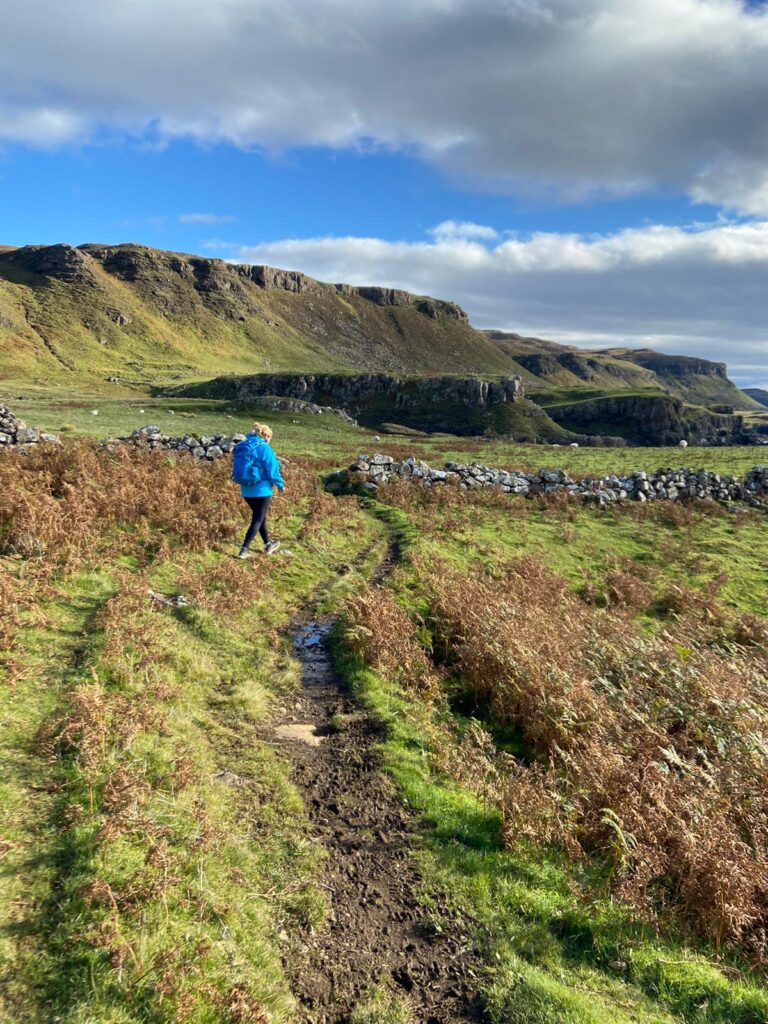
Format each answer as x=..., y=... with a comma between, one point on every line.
x=270, y=470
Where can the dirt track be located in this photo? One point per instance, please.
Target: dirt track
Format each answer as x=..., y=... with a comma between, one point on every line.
x=375, y=927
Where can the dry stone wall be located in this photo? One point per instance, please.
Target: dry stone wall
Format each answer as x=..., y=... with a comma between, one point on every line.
x=666, y=484
x=14, y=433
x=203, y=446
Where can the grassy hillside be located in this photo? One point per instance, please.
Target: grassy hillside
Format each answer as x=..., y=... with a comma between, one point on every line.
x=696, y=381
x=110, y=318
x=121, y=319
x=759, y=395
x=548, y=366
x=557, y=713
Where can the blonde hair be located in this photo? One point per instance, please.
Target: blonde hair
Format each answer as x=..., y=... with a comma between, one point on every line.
x=262, y=430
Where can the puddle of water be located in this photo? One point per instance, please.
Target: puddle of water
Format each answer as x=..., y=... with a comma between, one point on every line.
x=311, y=641
x=309, y=644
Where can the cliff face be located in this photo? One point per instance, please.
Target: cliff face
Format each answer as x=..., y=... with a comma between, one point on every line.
x=456, y=405
x=652, y=420
x=353, y=392
x=547, y=365
x=131, y=262
x=679, y=367
x=58, y=262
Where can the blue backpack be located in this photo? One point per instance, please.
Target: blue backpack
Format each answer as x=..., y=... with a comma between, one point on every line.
x=246, y=464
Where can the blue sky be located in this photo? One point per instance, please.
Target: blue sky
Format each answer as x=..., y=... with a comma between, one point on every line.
x=595, y=171
x=128, y=192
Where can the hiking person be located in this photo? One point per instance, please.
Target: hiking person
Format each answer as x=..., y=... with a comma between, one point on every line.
x=256, y=469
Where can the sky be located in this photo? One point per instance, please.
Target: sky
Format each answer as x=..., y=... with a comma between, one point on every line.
x=591, y=171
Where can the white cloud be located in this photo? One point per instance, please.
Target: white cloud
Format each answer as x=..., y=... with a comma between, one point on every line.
x=206, y=218
x=462, y=229
x=41, y=126
x=563, y=97
x=695, y=291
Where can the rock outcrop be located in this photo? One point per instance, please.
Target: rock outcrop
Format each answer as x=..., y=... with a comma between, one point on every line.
x=404, y=392
x=650, y=420
x=60, y=262
x=274, y=403
x=132, y=262
x=680, y=367
x=664, y=485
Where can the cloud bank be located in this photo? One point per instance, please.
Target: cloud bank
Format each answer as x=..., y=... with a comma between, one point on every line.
x=694, y=291
x=569, y=98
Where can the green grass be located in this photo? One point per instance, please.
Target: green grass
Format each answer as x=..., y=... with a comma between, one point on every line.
x=558, y=950
x=570, y=396
x=558, y=947
x=233, y=864
x=325, y=435
x=589, y=541
x=338, y=442
x=381, y=1007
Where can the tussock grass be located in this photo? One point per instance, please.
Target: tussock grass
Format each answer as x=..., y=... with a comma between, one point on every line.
x=627, y=656
x=381, y=1007
x=558, y=947
x=156, y=848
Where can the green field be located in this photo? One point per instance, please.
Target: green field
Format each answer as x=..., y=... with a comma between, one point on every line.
x=527, y=670
x=330, y=437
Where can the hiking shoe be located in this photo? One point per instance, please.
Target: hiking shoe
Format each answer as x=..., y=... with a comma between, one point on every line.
x=244, y=553
x=272, y=547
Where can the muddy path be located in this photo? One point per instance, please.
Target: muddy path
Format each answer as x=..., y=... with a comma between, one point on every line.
x=376, y=929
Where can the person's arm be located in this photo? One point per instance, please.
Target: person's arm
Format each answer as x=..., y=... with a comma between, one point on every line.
x=272, y=467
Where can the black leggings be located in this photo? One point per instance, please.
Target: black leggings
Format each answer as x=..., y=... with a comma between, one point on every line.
x=258, y=508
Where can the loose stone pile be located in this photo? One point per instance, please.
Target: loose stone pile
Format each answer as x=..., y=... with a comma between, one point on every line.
x=666, y=484
x=213, y=446
x=14, y=432
x=275, y=403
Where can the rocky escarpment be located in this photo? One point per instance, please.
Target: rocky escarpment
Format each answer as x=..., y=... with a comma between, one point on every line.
x=377, y=470
x=650, y=419
x=132, y=315
x=465, y=406
x=586, y=368
x=356, y=390
x=459, y=405
x=59, y=262
x=680, y=367
x=131, y=262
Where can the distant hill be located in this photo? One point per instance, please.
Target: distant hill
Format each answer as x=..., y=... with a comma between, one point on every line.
x=101, y=315
x=759, y=395
x=114, y=318
x=548, y=365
